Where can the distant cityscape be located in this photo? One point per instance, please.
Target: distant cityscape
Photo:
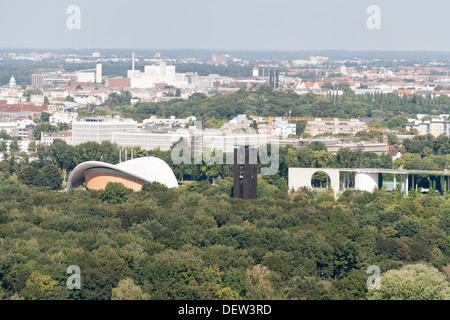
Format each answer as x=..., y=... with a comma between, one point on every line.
x=60, y=93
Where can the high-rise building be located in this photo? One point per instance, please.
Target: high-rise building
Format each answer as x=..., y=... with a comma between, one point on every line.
x=273, y=78
x=98, y=73
x=245, y=172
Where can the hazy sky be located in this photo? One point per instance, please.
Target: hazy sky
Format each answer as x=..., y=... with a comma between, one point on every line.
x=227, y=24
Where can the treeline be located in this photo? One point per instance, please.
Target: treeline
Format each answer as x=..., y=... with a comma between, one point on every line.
x=425, y=153
x=265, y=101
x=66, y=157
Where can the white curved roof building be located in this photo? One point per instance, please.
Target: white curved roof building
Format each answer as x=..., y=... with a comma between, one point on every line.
x=132, y=174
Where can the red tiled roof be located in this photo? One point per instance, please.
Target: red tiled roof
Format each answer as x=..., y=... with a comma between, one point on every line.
x=22, y=107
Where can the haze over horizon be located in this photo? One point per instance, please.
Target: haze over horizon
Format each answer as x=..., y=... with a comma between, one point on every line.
x=250, y=25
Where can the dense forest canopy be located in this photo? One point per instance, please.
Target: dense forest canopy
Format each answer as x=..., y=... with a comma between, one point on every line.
x=196, y=242
x=265, y=101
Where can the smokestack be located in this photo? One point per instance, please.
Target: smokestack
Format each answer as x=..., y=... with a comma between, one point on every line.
x=132, y=62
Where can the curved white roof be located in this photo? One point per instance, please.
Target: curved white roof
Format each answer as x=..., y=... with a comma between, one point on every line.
x=150, y=169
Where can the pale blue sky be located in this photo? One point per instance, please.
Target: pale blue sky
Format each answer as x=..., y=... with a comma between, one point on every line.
x=227, y=24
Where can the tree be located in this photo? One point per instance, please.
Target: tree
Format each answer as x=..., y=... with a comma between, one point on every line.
x=227, y=294
x=63, y=154
x=128, y=290
x=27, y=175
x=300, y=127
x=32, y=146
x=212, y=160
x=39, y=286
x=88, y=151
x=63, y=126
x=328, y=85
x=153, y=187
x=114, y=193
x=14, y=146
x=346, y=158
x=44, y=127
x=4, y=135
x=317, y=146
x=46, y=101
x=51, y=177
x=45, y=116
x=322, y=159
x=412, y=282
x=258, y=284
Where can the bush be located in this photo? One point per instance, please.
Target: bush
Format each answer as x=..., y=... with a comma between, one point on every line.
x=114, y=193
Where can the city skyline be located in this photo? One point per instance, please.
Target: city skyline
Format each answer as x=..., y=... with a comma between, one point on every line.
x=285, y=25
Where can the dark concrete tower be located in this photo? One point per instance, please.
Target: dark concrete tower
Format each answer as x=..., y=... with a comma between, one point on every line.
x=245, y=173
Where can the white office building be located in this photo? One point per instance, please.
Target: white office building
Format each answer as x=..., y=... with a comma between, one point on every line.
x=435, y=128
x=98, y=73
x=100, y=129
x=85, y=76
x=149, y=140
x=62, y=117
x=157, y=74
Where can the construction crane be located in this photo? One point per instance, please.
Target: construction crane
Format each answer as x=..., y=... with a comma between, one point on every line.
x=270, y=118
x=376, y=129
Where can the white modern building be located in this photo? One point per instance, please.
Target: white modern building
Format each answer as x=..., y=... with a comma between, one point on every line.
x=435, y=128
x=98, y=73
x=148, y=140
x=100, y=129
x=172, y=121
x=157, y=74
x=366, y=179
x=133, y=174
x=62, y=117
x=85, y=76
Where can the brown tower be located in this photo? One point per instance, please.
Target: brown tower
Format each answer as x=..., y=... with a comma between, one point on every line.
x=245, y=173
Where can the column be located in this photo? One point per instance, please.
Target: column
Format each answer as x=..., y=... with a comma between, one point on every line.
x=395, y=182
x=402, y=183
x=407, y=184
